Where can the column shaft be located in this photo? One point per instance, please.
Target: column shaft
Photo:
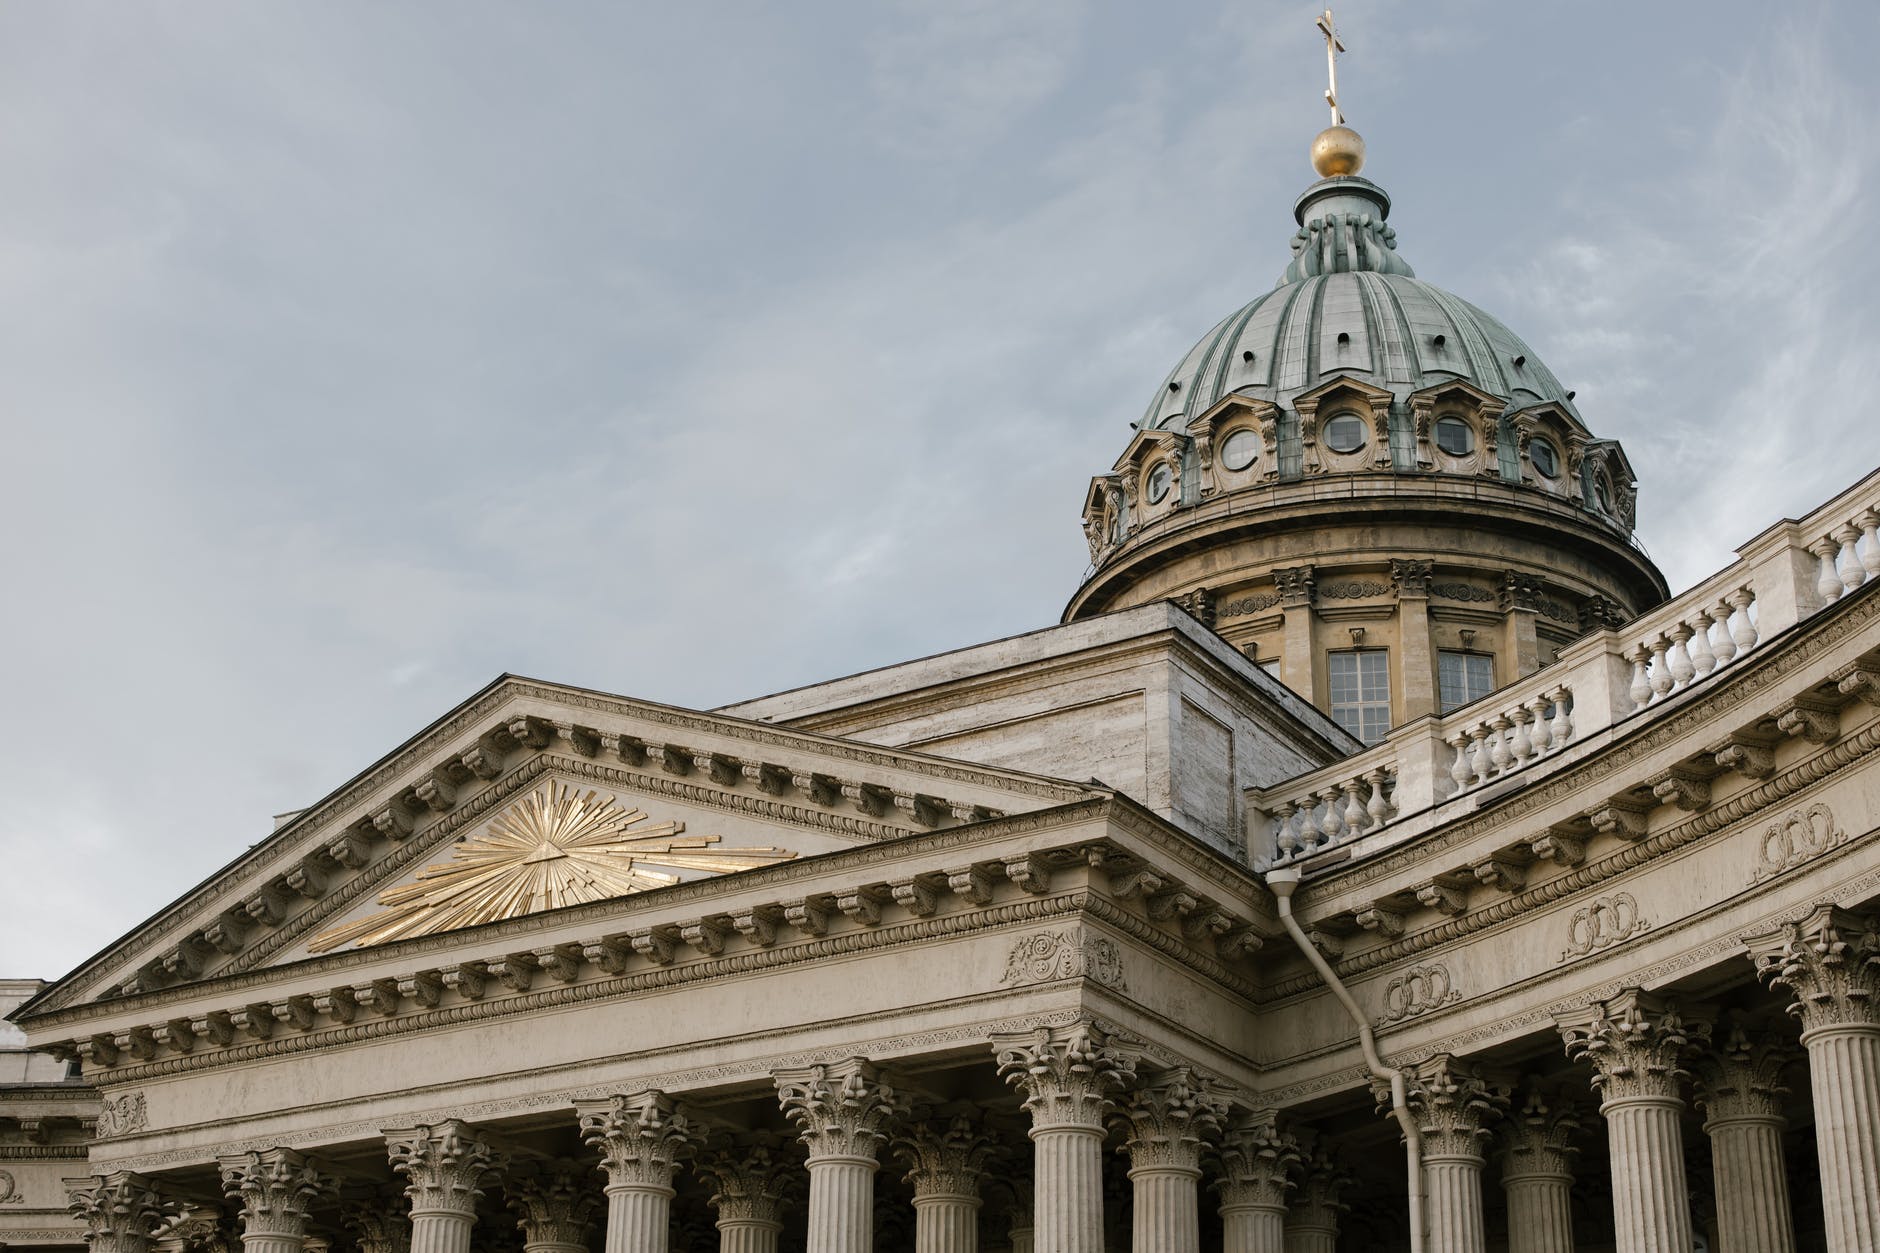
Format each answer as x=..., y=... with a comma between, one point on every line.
x=1844, y=1071
x=946, y=1224
x=441, y=1231
x=1540, y=1212
x=1752, y=1186
x=1651, y=1208
x=272, y=1242
x=1068, y=1178
x=1312, y=1238
x=748, y=1235
x=639, y=1218
x=1455, y=1204
x=841, y=1204
x=1253, y=1229
x=1165, y=1212
x=552, y=1246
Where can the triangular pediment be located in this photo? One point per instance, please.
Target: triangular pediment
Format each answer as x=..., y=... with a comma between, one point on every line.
x=533, y=797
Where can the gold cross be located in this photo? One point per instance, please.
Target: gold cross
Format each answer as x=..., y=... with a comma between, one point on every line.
x=1332, y=48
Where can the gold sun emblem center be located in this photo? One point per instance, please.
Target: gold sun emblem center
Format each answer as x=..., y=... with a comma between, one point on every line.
x=556, y=847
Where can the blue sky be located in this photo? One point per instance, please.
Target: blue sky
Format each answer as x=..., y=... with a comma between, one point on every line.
x=353, y=353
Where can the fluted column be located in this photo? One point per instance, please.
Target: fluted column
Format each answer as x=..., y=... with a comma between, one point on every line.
x=1537, y=1175
x=445, y=1167
x=947, y=1154
x=1455, y=1109
x=1638, y=1044
x=845, y=1113
x=640, y=1138
x=1312, y=1222
x=1830, y=963
x=121, y=1210
x=1257, y=1163
x=750, y=1181
x=1165, y=1124
x=554, y=1205
x=1066, y=1075
x=275, y=1188
x=1739, y=1087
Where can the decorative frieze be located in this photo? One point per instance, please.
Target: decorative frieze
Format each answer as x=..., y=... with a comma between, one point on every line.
x=122, y=1115
x=1609, y=920
x=1418, y=990
x=1049, y=955
x=1799, y=836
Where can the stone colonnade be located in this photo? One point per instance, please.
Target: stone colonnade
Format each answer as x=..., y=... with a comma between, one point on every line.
x=1278, y=1191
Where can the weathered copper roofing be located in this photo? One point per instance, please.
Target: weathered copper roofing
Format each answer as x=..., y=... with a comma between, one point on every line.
x=1348, y=304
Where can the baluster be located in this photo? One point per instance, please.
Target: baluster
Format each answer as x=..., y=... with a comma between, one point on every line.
x=1641, y=689
x=1378, y=807
x=1698, y=646
x=1284, y=837
x=1499, y=754
x=1869, y=524
x=1725, y=647
x=1478, y=754
x=1459, y=768
x=1744, y=631
x=1851, y=571
x=1537, y=728
x=1357, y=818
x=1662, y=680
x=1311, y=835
x=1334, y=822
x=1828, y=583
x=1678, y=659
x=1518, y=738
x=1562, y=730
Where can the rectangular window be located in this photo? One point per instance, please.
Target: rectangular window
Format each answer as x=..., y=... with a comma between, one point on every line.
x=1292, y=449
x=1359, y=682
x=1463, y=677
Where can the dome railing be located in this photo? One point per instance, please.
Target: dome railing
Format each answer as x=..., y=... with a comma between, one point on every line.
x=1601, y=685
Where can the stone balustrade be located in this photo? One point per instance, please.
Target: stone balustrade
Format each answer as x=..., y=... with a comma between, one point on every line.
x=1783, y=576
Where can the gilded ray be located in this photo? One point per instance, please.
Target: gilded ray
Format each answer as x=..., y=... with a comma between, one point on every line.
x=555, y=847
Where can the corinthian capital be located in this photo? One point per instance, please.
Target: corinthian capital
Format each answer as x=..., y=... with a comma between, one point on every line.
x=946, y=1156
x=1065, y=1073
x=276, y=1189
x=844, y=1110
x=1637, y=1043
x=554, y=1204
x=640, y=1137
x=444, y=1165
x=1455, y=1107
x=1258, y=1162
x=380, y=1222
x=1741, y=1077
x=120, y=1210
x=751, y=1179
x=1829, y=962
x=1537, y=1139
x=1167, y=1120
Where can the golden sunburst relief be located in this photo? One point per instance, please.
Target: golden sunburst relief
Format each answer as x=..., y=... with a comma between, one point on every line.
x=555, y=847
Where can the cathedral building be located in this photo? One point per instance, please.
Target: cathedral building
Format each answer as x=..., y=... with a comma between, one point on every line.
x=1375, y=857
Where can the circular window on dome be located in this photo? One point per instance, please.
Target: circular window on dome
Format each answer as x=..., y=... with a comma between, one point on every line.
x=1241, y=449
x=1345, y=433
x=1544, y=457
x=1160, y=480
x=1455, y=437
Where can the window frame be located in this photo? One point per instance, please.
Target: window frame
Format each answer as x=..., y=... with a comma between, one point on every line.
x=1469, y=694
x=1360, y=714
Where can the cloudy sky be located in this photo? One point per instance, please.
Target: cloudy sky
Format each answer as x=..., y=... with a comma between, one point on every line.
x=352, y=353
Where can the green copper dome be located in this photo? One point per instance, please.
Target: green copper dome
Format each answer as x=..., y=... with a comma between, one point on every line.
x=1349, y=305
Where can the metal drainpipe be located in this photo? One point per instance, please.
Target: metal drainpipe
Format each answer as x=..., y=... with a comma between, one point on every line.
x=1281, y=882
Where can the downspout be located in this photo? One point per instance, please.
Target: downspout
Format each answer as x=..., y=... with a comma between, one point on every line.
x=1281, y=882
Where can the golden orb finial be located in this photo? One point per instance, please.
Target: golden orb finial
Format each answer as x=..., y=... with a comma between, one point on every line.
x=1337, y=150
